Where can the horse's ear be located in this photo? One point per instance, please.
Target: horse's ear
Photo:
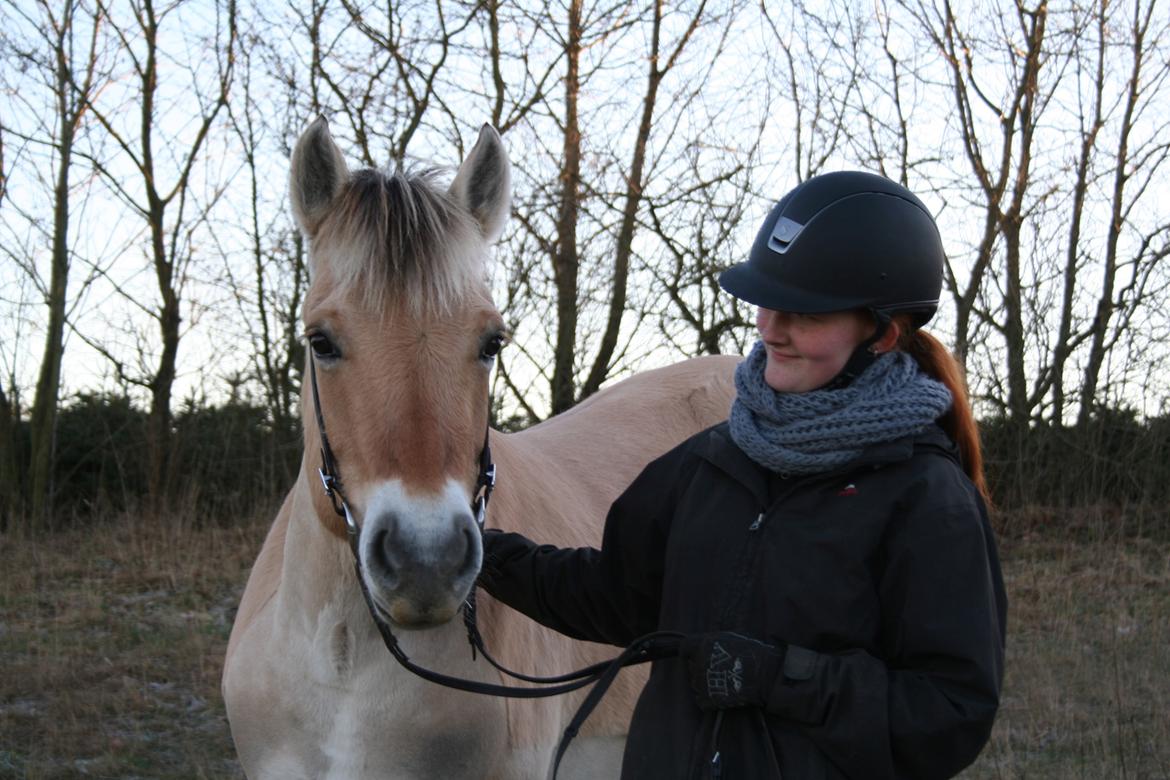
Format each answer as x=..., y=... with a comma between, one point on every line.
x=483, y=184
x=317, y=176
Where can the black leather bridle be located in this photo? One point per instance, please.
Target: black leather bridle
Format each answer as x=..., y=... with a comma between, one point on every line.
x=660, y=644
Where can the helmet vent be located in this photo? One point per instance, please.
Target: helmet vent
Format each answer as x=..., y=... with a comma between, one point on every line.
x=783, y=234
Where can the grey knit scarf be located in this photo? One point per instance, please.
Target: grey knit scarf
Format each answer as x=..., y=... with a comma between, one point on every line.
x=813, y=432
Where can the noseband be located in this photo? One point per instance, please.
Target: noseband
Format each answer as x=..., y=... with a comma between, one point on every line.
x=660, y=644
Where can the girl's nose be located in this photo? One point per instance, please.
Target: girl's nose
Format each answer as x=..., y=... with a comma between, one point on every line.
x=773, y=325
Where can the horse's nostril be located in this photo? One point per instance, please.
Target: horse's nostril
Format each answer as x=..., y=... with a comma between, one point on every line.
x=470, y=559
x=383, y=555
x=455, y=553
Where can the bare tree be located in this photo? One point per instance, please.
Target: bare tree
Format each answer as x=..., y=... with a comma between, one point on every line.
x=1001, y=166
x=393, y=72
x=1090, y=120
x=60, y=54
x=814, y=58
x=700, y=230
x=544, y=258
x=1057, y=235
x=661, y=60
x=647, y=142
x=590, y=153
x=156, y=152
x=1136, y=162
x=11, y=495
x=566, y=260
x=269, y=296
x=381, y=69
x=808, y=76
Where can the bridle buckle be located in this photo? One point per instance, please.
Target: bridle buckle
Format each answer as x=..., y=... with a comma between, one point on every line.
x=327, y=481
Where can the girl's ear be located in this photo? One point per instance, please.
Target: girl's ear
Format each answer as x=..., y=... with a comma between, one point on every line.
x=889, y=339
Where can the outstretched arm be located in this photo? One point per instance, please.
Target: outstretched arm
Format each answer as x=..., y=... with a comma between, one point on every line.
x=611, y=594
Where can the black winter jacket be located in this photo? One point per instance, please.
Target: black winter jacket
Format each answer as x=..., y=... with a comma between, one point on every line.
x=886, y=568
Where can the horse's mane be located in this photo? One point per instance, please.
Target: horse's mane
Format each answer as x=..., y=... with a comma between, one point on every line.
x=401, y=234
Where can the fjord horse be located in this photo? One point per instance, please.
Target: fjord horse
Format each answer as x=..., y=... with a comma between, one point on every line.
x=403, y=332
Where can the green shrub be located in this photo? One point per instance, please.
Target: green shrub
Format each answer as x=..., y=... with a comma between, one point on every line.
x=230, y=458
x=1114, y=458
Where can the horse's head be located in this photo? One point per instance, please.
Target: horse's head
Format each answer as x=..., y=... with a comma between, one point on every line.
x=403, y=332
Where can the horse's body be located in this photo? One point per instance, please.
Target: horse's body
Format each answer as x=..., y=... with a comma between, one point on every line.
x=310, y=689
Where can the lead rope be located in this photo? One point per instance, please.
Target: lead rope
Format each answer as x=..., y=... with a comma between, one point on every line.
x=653, y=646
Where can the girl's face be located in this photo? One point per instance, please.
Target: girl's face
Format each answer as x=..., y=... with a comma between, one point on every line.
x=805, y=351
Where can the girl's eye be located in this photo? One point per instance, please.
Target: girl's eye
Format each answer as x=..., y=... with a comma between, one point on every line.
x=322, y=347
x=492, y=346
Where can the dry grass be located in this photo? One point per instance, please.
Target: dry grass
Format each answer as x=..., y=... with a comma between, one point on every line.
x=112, y=640
x=1087, y=693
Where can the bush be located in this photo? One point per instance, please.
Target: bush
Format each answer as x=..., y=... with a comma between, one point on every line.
x=1114, y=458
x=225, y=459
x=101, y=454
x=229, y=459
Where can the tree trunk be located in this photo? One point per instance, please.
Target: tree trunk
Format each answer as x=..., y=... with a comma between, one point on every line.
x=10, y=481
x=70, y=107
x=566, y=262
x=159, y=421
x=1013, y=327
x=1100, y=344
x=625, y=239
x=43, y=423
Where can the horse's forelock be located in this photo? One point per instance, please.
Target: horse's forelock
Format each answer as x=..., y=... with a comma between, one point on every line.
x=401, y=235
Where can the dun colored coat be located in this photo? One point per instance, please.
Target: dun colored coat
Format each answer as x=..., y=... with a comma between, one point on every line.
x=403, y=332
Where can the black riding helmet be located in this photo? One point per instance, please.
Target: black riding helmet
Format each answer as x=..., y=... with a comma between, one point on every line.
x=844, y=241
x=840, y=241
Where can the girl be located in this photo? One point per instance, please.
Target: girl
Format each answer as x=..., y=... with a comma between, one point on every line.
x=826, y=550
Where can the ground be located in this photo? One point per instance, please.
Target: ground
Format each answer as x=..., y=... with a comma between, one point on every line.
x=112, y=639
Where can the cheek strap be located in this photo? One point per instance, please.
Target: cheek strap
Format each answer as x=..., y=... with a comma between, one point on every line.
x=863, y=355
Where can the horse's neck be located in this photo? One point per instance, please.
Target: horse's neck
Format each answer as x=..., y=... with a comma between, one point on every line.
x=558, y=479
x=314, y=574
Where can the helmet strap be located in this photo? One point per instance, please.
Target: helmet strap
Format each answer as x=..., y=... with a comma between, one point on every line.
x=863, y=355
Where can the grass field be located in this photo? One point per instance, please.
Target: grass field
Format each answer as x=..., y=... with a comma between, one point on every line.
x=112, y=639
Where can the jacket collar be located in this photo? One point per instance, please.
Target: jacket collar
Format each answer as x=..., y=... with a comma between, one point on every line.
x=722, y=452
x=725, y=455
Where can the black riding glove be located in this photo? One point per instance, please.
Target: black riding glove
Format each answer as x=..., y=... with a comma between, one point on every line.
x=730, y=670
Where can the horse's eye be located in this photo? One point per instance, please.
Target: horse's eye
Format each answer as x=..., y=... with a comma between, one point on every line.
x=322, y=347
x=492, y=346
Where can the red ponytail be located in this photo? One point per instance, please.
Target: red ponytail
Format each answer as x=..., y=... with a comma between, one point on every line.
x=959, y=423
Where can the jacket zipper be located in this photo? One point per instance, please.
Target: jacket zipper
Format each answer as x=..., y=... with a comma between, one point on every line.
x=751, y=553
x=716, y=757
x=745, y=563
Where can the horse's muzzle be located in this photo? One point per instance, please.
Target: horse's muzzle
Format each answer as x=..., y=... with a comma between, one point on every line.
x=419, y=568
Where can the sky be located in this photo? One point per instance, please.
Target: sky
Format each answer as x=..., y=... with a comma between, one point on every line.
x=112, y=286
